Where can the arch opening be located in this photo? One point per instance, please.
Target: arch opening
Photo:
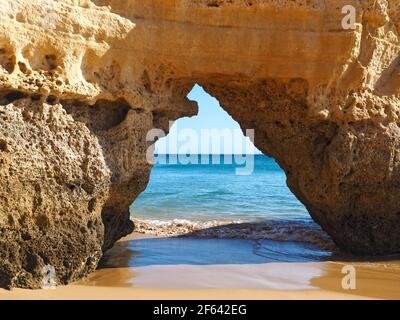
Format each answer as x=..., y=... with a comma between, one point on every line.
x=196, y=190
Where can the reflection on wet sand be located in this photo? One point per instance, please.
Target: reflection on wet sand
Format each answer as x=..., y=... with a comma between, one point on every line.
x=114, y=268
x=116, y=278
x=143, y=263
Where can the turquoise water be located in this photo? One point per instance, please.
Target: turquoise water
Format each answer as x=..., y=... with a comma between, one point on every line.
x=199, y=192
x=212, y=195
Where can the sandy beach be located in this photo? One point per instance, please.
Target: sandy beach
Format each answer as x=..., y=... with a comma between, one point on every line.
x=118, y=279
x=77, y=292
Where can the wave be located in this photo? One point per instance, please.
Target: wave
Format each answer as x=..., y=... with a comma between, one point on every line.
x=306, y=232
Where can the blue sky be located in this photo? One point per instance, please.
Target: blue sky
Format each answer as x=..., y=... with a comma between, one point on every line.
x=211, y=116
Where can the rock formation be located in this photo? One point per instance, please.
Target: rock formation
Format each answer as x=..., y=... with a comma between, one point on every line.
x=82, y=82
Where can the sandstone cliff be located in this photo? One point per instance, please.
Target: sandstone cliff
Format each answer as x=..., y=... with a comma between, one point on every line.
x=81, y=83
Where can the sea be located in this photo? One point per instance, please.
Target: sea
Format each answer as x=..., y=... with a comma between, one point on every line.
x=209, y=194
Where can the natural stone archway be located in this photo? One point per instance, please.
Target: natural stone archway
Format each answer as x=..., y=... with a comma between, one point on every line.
x=81, y=85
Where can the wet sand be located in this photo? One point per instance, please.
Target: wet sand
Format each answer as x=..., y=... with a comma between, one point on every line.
x=73, y=292
x=297, y=281
x=120, y=278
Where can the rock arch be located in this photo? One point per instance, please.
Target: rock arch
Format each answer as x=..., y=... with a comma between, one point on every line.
x=79, y=94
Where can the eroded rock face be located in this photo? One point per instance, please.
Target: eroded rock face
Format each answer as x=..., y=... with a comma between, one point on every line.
x=54, y=184
x=81, y=84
